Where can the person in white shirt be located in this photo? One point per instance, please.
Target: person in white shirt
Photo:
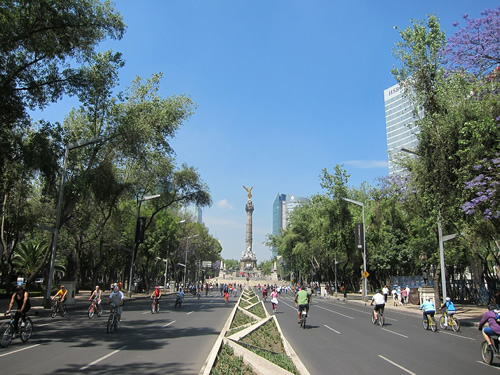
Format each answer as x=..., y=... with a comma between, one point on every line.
x=385, y=292
x=378, y=298
x=116, y=300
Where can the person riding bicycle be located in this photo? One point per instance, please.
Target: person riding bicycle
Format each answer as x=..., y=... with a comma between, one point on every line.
x=450, y=309
x=302, y=299
x=264, y=292
x=116, y=300
x=379, y=300
x=97, y=295
x=490, y=317
x=61, y=296
x=21, y=297
x=156, y=293
x=428, y=307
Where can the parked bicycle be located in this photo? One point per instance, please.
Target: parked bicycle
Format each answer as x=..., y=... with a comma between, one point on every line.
x=488, y=354
x=112, y=320
x=430, y=323
x=25, y=330
x=94, y=308
x=452, y=322
x=155, y=306
x=380, y=318
x=58, y=307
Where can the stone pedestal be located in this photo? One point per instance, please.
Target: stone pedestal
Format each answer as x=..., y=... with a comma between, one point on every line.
x=425, y=292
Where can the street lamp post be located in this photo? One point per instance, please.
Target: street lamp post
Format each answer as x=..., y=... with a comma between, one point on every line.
x=166, y=269
x=365, y=281
x=69, y=147
x=185, y=259
x=132, y=260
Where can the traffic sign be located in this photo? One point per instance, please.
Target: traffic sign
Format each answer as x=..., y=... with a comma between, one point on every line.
x=206, y=264
x=366, y=274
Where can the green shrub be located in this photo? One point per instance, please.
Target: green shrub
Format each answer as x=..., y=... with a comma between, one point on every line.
x=227, y=363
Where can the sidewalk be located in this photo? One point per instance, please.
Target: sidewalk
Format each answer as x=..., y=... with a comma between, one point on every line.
x=469, y=315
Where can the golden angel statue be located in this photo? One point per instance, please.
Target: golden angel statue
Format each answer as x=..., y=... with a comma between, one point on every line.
x=249, y=191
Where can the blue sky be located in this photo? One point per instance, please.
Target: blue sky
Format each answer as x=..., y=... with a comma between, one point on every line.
x=284, y=89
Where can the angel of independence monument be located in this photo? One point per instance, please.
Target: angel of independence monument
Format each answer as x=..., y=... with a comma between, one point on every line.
x=248, y=261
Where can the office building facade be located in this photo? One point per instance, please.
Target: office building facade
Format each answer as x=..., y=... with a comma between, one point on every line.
x=400, y=126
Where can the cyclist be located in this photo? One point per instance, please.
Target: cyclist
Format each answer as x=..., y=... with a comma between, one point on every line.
x=97, y=294
x=226, y=293
x=450, y=309
x=22, y=299
x=493, y=328
x=274, y=300
x=379, y=300
x=61, y=296
x=428, y=307
x=180, y=297
x=156, y=295
x=264, y=292
x=302, y=300
x=116, y=300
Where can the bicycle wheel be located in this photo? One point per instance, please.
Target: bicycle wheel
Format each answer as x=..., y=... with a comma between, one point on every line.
x=486, y=354
x=109, y=326
x=442, y=322
x=456, y=325
x=27, y=330
x=373, y=318
x=381, y=320
x=53, y=311
x=91, y=311
x=115, y=325
x=157, y=307
x=62, y=311
x=8, y=332
x=425, y=323
x=153, y=308
x=433, y=325
x=304, y=322
x=99, y=310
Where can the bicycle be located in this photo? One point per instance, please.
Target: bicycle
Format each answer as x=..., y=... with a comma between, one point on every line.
x=178, y=302
x=155, y=306
x=487, y=354
x=429, y=322
x=94, y=308
x=452, y=322
x=303, y=317
x=25, y=330
x=380, y=319
x=112, y=320
x=58, y=307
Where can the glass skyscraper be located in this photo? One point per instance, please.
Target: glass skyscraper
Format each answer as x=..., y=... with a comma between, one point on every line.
x=400, y=125
x=283, y=206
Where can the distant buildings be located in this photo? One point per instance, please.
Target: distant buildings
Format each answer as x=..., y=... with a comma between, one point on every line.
x=193, y=212
x=400, y=125
x=283, y=206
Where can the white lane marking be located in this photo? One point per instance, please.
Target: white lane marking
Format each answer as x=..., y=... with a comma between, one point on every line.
x=399, y=334
x=331, y=329
x=352, y=308
x=202, y=306
x=19, y=350
x=102, y=358
x=166, y=325
x=454, y=334
x=395, y=364
x=190, y=312
x=335, y=312
x=42, y=325
x=146, y=312
x=490, y=366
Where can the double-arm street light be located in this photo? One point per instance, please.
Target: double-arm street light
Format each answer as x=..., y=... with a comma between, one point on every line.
x=137, y=240
x=365, y=282
x=69, y=147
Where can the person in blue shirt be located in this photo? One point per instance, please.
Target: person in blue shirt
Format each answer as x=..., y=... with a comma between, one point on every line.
x=428, y=307
x=180, y=297
x=450, y=309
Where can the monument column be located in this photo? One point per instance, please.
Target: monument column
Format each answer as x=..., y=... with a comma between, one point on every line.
x=249, y=210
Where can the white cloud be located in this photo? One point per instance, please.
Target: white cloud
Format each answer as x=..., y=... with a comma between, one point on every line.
x=223, y=203
x=367, y=163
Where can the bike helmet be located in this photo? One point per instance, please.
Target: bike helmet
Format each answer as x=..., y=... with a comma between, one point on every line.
x=62, y=286
x=157, y=287
x=115, y=289
x=448, y=299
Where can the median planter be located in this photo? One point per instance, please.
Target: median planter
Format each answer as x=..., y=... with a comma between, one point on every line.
x=252, y=343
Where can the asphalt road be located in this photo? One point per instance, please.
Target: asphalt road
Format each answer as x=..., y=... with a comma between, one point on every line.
x=340, y=339
x=173, y=341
